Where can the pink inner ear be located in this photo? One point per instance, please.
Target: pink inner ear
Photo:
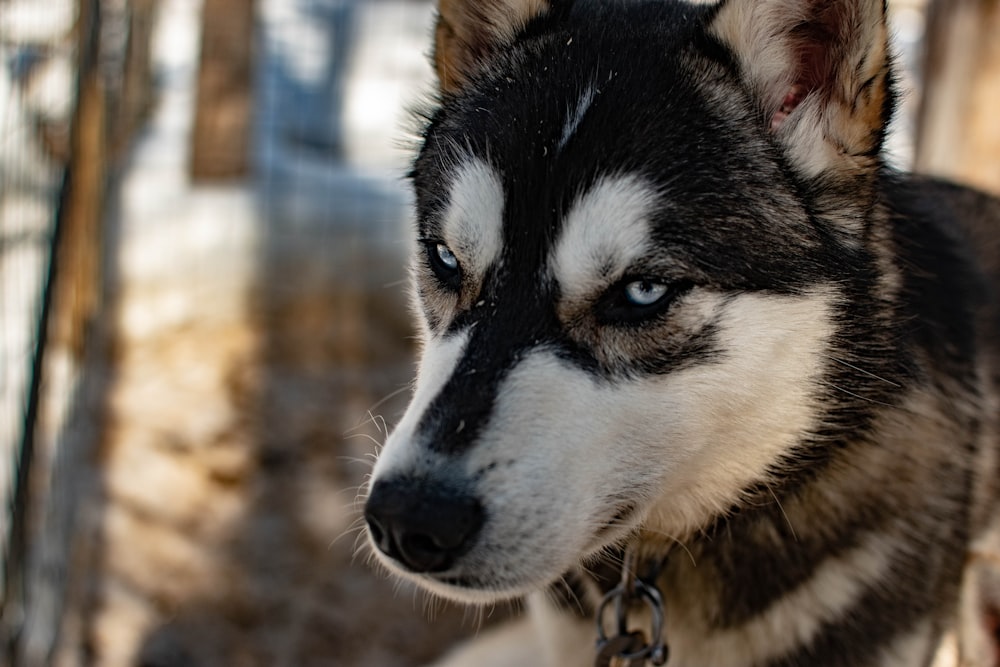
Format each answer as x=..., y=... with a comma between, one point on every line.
x=793, y=98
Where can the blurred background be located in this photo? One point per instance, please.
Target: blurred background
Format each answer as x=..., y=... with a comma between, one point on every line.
x=204, y=327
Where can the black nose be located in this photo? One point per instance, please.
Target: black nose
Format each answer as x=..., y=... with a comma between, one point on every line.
x=423, y=525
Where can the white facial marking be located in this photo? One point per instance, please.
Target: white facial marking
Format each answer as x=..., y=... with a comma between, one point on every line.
x=566, y=444
x=734, y=417
x=573, y=123
x=605, y=232
x=473, y=221
x=440, y=356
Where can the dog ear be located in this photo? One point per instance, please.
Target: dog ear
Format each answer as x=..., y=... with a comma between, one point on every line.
x=469, y=32
x=820, y=71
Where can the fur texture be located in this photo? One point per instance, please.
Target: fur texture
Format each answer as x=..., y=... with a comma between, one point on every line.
x=673, y=299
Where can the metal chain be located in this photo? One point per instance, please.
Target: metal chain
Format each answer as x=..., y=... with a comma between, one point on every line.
x=620, y=646
x=630, y=648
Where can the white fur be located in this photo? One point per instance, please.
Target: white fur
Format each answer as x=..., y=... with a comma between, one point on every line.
x=473, y=221
x=573, y=123
x=548, y=637
x=400, y=451
x=515, y=644
x=947, y=654
x=806, y=139
x=567, y=639
x=816, y=133
x=738, y=415
x=912, y=648
x=756, y=30
x=605, y=233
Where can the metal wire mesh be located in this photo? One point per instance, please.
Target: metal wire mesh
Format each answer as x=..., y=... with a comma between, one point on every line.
x=68, y=96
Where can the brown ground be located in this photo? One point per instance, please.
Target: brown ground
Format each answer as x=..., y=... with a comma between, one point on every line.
x=238, y=437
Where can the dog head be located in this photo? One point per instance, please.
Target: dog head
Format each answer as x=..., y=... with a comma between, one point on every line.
x=639, y=226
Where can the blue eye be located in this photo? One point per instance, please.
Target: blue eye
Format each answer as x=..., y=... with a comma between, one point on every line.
x=444, y=264
x=644, y=293
x=446, y=256
x=636, y=300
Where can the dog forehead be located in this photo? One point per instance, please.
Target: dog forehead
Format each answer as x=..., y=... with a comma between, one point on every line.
x=557, y=131
x=604, y=231
x=561, y=138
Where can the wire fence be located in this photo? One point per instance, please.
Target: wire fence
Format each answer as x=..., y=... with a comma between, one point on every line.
x=71, y=84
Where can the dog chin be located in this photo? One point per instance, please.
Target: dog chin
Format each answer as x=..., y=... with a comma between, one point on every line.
x=473, y=589
x=472, y=592
x=480, y=587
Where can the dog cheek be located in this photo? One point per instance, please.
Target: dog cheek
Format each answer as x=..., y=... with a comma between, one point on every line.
x=737, y=417
x=559, y=440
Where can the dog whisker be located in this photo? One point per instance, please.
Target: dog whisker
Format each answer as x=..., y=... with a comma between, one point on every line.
x=365, y=436
x=356, y=528
x=852, y=394
x=358, y=460
x=843, y=362
x=673, y=539
x=380, y=403
x=781, y=508
x=570, y=595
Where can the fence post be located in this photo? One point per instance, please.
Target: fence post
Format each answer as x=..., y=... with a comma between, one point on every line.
x=958, y=133
x=221, y=138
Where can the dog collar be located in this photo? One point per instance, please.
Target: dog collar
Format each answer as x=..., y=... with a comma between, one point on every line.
x=630, y=647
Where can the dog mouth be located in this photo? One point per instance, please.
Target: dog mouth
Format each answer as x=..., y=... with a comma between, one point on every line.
x=450, y=541
x=484, y=582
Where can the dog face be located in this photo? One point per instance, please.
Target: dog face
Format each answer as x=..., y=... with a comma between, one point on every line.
x=629, y=276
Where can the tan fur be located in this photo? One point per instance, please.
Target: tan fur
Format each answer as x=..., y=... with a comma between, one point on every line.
x=846, y=104
x=469, y=31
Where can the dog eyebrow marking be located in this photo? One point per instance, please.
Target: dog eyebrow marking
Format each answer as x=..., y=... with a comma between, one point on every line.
x=582, y=106
x=472, y=226
x=606, y=230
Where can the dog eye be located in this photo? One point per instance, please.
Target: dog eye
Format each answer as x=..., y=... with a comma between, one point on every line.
x=644, y=293
x=444, y=263
x=635, y=300
x=445, y=257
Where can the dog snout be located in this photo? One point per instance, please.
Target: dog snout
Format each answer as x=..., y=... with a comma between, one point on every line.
x=422, y=525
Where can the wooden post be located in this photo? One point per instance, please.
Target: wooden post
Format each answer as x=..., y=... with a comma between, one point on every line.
x=221, y=137
x=958, y=133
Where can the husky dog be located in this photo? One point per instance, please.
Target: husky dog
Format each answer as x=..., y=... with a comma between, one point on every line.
x=684, y=328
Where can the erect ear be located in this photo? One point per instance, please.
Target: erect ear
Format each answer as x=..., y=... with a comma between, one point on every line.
x=820, y=71
x=469, y=32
